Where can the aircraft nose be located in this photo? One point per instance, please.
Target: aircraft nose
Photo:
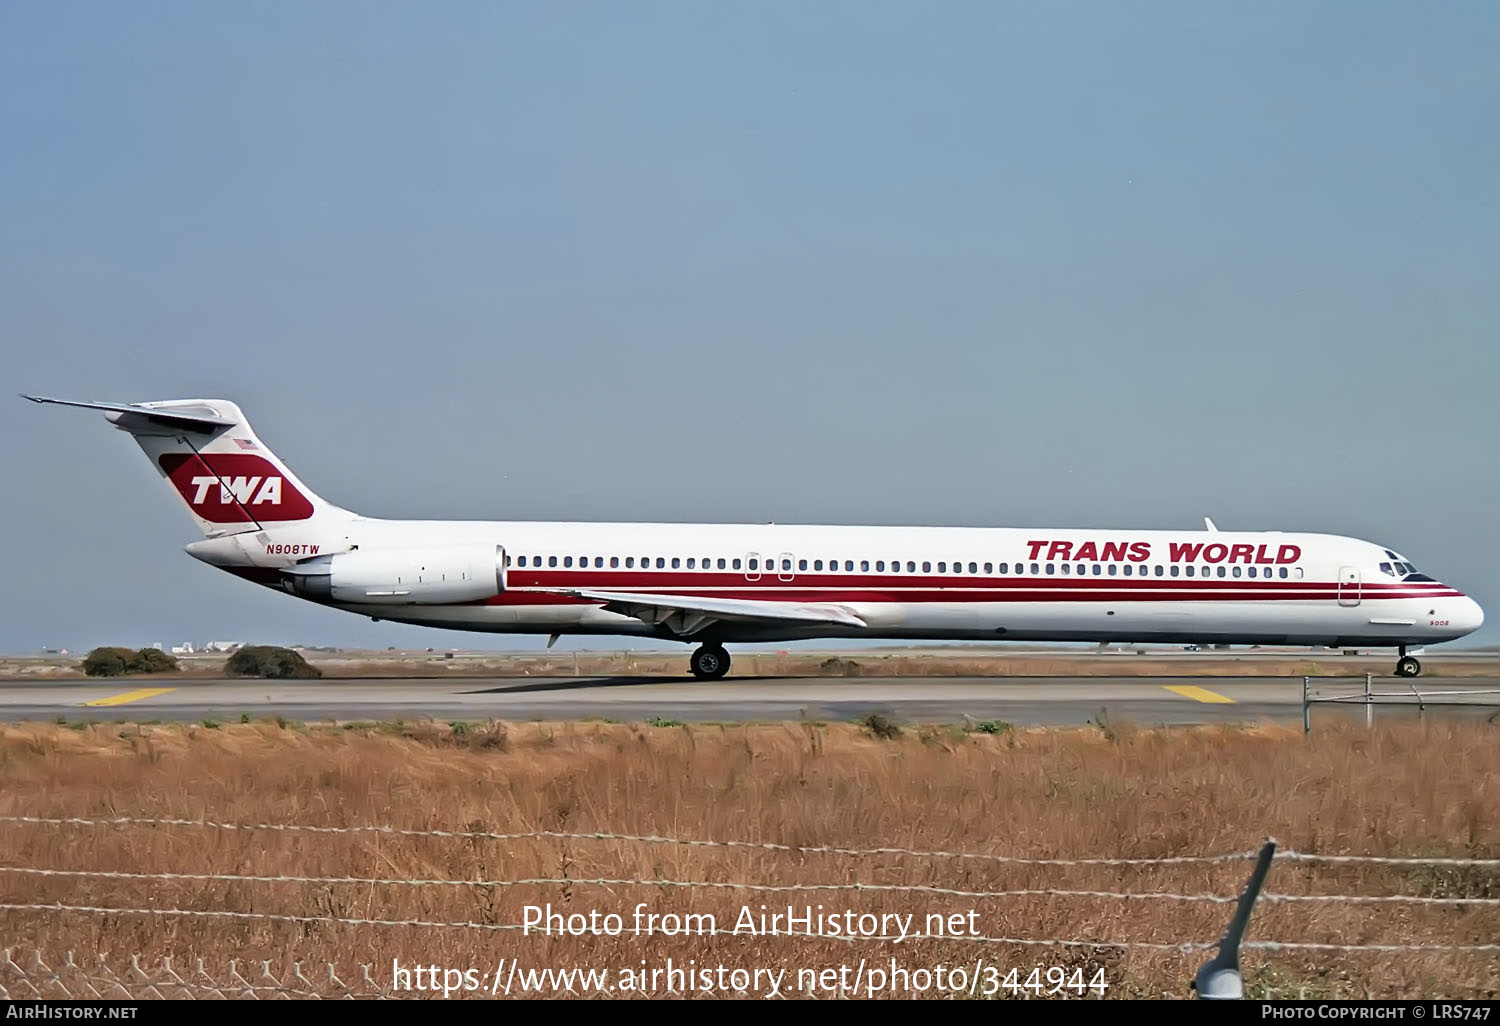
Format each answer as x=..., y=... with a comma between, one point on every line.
x=1470, y=616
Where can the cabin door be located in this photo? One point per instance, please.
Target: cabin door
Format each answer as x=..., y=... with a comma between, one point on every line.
x=1348, y=585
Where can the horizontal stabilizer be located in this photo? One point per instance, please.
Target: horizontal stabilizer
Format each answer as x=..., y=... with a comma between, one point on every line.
x=206, y=422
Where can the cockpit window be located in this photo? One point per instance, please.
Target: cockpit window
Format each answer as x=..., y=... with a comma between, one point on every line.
x=1402, y=569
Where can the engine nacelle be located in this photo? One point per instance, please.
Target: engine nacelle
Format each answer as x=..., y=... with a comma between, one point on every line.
x=435, y=575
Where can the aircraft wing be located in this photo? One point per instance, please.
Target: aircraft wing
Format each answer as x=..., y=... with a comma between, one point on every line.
x=686, y=614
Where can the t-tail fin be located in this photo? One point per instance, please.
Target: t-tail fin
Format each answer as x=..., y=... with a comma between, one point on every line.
x=225, y=476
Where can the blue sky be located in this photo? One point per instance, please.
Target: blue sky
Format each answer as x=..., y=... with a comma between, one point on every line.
x=1074, y=264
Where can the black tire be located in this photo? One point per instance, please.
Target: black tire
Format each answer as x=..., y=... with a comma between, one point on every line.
x=1407, y=666
x=710, y=662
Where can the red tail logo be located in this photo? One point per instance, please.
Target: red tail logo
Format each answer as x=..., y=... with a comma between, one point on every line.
x=235, y=488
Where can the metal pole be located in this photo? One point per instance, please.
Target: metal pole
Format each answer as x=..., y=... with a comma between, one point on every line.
x=1306, y=710
x=1220, y=978
x=1369, y=702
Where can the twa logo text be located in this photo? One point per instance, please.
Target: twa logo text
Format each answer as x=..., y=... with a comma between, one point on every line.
x=234, y=488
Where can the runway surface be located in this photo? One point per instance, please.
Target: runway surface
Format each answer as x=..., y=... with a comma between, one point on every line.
x=1019, y=700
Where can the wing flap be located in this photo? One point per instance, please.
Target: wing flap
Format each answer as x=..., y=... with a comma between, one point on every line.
x=686, y=614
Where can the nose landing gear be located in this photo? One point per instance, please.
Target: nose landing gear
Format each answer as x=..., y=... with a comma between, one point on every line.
x=710, y=662
x=1407, y=666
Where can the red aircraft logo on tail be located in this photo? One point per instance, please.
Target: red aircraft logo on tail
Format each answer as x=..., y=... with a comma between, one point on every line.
x=235, y=488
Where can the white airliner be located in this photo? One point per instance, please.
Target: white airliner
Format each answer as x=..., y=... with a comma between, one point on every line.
x=713, y=584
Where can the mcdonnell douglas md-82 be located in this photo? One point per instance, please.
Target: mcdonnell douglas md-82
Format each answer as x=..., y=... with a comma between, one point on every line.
x=716, y=584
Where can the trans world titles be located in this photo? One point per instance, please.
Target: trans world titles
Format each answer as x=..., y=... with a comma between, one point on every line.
x=1177, y=552
x=810, y=920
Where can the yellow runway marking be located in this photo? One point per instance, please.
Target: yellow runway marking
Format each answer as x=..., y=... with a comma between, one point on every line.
x=130, y=696
x=1198, y=694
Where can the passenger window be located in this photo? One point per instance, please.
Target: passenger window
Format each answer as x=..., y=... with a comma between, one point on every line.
x=1035, y=569
x=786, y=564
x=1159, y=570
x=599, y=561
x=522, y=561
x=676, y=563
x=1236, y=571
x=1113, y=569
x=1049, y=568
x=691, y=561
x=1221, y=571
x=1067, y=568
x=1020, y=568
x=973, y=568
x=1129, y=569
x=989, y=568
x=1005, y=568
x=801, y=564
x=551, y=560
x=849, y=565
x=1189, y=571
x=817, y=564
x=911, y=567
x=754, y=564
x=721, y=562
x=630, y=562
x=880, y=566
x=1098, y=569
x=614, y=562
x=567, y=561
x=864, y=565
x=926, y=567
x=1175, y=570
x=660, y=563
x=942, y=568
x=735, y=563
x=1298, y=571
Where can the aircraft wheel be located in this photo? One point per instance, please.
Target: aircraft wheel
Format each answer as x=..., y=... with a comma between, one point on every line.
x=710, y=662
x=1407, y=666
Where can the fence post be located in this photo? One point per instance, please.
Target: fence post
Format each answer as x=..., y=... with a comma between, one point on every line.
x=1306, y=710
x=1220, y=979
x=1369, y=702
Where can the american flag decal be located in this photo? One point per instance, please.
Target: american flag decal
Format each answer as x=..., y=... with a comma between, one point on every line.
x=245, y=443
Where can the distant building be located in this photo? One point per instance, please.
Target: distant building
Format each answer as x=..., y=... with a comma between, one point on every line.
x=223, y=646
x=186, y=648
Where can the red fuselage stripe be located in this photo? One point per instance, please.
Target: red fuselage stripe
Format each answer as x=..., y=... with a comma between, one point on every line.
x=914, y=588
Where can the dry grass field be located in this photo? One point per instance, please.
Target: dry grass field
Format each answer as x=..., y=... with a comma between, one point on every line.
x=1404, y=789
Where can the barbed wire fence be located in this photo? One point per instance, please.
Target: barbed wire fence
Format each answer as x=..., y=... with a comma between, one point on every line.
x=28, y=974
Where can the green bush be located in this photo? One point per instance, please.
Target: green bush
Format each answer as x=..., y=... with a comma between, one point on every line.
x=109, y=661
x=150, y=660
x=270, y=661
x=881, y=726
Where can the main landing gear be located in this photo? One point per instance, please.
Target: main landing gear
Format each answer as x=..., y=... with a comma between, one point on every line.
x=710, y=662
x=1407, y=666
